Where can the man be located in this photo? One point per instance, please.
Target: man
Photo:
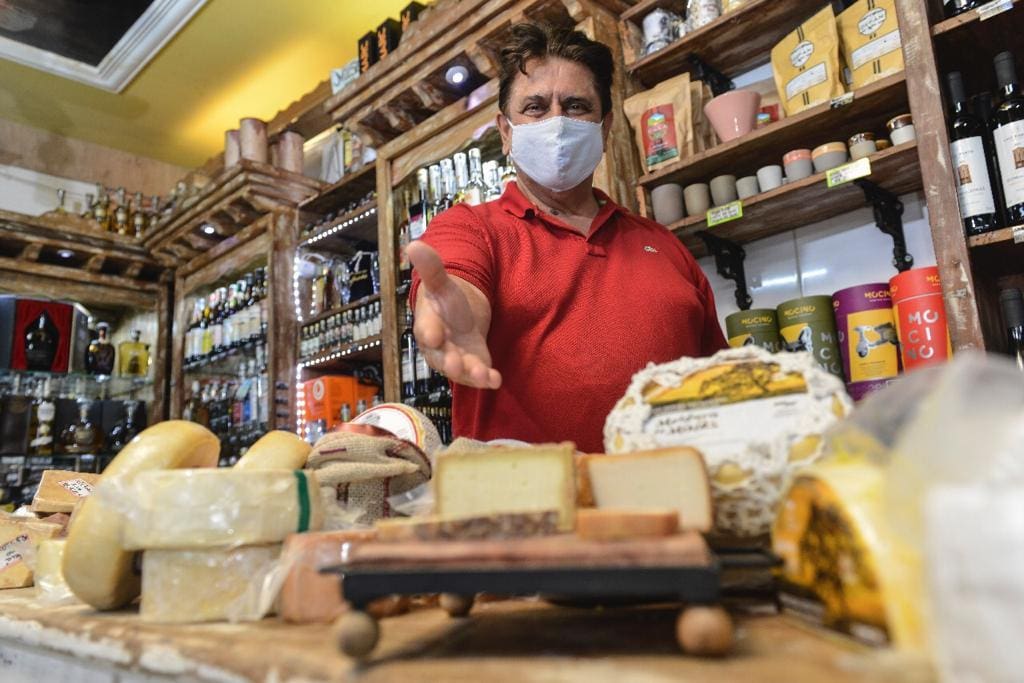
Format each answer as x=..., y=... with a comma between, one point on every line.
x=541, y=305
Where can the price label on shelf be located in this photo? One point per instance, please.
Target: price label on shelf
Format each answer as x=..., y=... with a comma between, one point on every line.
x=725, y=213
x=993, y=8
x=848, y=172
x=841, y=101
x=1018, y=234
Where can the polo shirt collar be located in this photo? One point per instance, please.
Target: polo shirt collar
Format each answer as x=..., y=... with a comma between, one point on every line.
x=513, y=201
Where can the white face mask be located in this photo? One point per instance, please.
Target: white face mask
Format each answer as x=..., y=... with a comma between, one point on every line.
x=557, y=153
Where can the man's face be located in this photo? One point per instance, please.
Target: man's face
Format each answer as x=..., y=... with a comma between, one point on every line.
x=551, y=87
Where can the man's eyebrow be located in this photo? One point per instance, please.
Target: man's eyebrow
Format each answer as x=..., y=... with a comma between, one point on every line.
x=576, y=99
x=535, y=99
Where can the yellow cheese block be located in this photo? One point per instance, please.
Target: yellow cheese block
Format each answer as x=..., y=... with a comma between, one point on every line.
x=210, y=508
x=276, y=450
x=623, y=525
x=19, y=541
x=662, y=478
x=98, y=569
x=50, y=584
x=61, y=490
x=499, y=480
x=180, y=586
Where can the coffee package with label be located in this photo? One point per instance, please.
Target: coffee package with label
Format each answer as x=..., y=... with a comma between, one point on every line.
x=662, y=119
x=870, y=34
x=806, y=64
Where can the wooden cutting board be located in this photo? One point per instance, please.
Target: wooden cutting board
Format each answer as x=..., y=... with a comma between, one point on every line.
x=687, y=549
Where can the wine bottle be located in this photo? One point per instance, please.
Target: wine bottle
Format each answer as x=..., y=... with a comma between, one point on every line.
x=475, y=190
x=408, y=359
x=100, y=355
x=43, y=412
x=1012, y=304
x=969, y=155
x=41, y=343
x=436, y=192
x=1008, y=136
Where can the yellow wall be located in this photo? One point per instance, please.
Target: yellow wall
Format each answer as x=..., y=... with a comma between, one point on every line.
x=235, y=58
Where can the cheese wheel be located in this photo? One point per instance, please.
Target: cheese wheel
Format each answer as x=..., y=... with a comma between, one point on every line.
x=98, y=570
x=276, y=450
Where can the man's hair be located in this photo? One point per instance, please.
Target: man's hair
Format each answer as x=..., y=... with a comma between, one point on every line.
x=533, y=41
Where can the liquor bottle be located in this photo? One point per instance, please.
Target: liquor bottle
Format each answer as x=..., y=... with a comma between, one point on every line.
x=475, y=190
x=969, y=153
x=461, y=177
x=41, y=343
x=419, y=210
x=217, y=327
x=408, y=344
x=43, y=411
x=206, y=334
x=99, y=359
x=1008, y=135
x=101, y=210
x=81, y=436
x=190, y=334
x=346, y=412
x=447, y=183
x=492, y=181
x=90, y=205
x=139, y=218
x=125, y=430
x=436, y=192
x=955, y=7
x=1013, y=316
x=121, y=213
x=133, y=356
x=154, y=213
x=261, y=280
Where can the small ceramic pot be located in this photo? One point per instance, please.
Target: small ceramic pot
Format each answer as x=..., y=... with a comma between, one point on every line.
x=747, y=187
x=723, y=189
x=252, y=140
x=667, y=202
x=901, y=129
x=862, y=145
x=829, y=155
x=798, y=164
x=733, y=114
x=697, y=198
x=769, y=177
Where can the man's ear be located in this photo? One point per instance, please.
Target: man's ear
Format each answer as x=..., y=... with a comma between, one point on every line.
x=606, y=126
x=505, y=129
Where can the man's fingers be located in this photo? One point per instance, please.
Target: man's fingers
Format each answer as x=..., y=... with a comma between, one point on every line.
x=429, y=265
x=428, y=328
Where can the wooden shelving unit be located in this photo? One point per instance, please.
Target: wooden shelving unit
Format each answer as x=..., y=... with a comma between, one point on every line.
x=348, y=229
x=969, y=20
x=340, y=309
x=364, y=351
x=1003, y=237
x=806, y=201
x=353, y=185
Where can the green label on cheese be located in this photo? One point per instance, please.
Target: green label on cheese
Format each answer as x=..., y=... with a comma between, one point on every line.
x=304, y=511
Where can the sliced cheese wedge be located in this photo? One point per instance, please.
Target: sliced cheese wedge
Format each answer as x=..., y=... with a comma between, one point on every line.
x=19, y=543
x=662, y=478
x=61, y=490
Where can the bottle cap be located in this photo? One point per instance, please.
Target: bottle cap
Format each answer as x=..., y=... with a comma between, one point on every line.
x=1013, y=307
x=1006, y=70
x=955, y=81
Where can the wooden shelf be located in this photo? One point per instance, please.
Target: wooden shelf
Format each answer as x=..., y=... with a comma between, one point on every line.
x=340, y=309
x=732, y=44
x=871, y=107
x=970, y=19
x=806, y=201
x=365, y=351
x=351, y=188
x=361, y=227
x=1001, y=237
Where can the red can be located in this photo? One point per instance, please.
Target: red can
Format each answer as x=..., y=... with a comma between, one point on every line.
x=920, y=318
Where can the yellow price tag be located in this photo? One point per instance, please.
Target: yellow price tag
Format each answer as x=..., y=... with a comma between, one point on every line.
x=725, y=213
x=848, y=172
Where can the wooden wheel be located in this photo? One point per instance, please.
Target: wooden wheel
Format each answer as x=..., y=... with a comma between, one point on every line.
x=705, y=631
x=357, y=633
x=456, y=605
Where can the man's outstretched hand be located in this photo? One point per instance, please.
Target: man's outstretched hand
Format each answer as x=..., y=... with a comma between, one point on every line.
x=452, y=319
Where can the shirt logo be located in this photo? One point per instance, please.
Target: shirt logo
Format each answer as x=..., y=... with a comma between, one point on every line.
x=650, y=250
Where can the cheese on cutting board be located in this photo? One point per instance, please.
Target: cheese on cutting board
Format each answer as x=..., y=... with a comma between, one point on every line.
x=500, y=525
x=49, y=576
x=276, y=450
x=100, y=572
x=619, y=525
x=501, y=480
x=61, y=490
x=756, y=417
x=209, y=508
x=19, y=543
x=307, y=596
x=237, y=584
x=672, y=478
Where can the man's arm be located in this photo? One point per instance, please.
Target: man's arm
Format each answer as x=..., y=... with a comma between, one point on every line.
x=452, y=321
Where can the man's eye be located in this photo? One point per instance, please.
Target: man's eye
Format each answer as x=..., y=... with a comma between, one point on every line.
x=531, y=108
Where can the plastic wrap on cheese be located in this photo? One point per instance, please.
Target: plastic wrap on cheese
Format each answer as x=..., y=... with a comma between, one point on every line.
x=51, y=588
x=237, y=584
x=213, y=508
x=19, y=543
x=756, y=417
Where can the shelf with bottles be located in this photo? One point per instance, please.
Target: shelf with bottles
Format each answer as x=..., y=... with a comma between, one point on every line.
x=343, y=232
x=354, y=186
x=806, y=201
x=351, y=327
x=323, y=315
x=733, y=42
x=227, y=325
x=1010, y=237
x=236, y=410
x=975, y=18
x=364, y=351
x=79, y=384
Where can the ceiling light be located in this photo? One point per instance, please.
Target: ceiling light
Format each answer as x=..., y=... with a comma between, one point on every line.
x=65, y=253
x=457, y=75
x=209, y=229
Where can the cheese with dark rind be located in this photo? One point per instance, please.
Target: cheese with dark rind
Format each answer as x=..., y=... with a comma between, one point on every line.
x=500, y=525
x=98, y=570
x=756, y=417
x=617, y=525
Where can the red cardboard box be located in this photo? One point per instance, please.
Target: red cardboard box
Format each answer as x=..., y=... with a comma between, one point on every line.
x=324, y=396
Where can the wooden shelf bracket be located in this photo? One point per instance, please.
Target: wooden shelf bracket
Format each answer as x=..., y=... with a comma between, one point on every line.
x=729, y=258
x=889, y=219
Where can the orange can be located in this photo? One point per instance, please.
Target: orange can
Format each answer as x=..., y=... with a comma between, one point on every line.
x=920, y=318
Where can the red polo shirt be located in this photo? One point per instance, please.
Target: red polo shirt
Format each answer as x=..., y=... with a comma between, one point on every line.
x=572, y=317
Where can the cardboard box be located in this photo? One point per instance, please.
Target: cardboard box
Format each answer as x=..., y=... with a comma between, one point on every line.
x=389, y=34
x=367, y=51
x=410, y=14
x=324, y=396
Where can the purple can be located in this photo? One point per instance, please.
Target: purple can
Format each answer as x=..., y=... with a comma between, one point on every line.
x=868, y=342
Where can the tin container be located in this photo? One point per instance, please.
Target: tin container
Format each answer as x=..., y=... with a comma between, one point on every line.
x=807, y=324
x=756, y=327
x=868, y=343
x=920, y=318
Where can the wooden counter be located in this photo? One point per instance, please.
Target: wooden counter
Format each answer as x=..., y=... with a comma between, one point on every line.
x=513, y=642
